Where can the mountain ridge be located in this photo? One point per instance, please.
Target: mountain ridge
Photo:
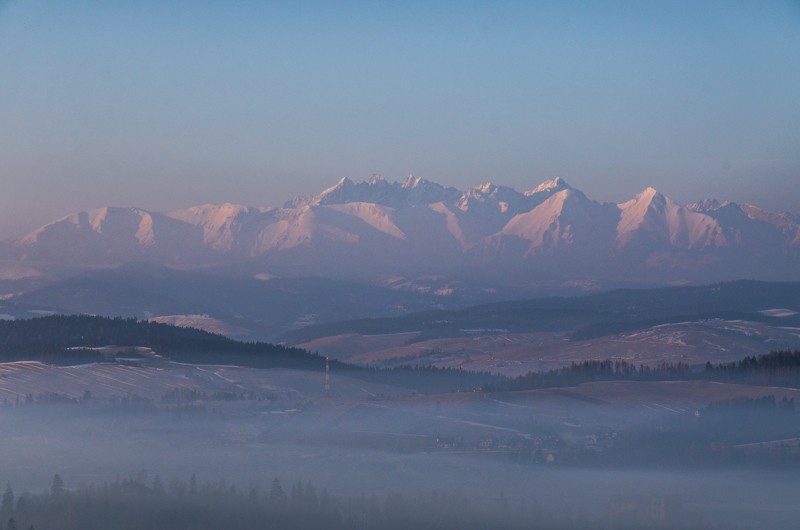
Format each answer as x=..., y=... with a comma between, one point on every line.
x=379, y=228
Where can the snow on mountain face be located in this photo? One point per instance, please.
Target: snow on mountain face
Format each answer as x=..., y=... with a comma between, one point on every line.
x=498, y=199
x=653, y=218
x=482, y=211
x=414, y=191
x=549, y=187
x=221, y=224
x=111, y=236
x=707, y=205
x=559, y=221
x=106, y=222
x=374, y=215
x=781, y=220
x=376, y=227
x=545, y=190
x=747, y=224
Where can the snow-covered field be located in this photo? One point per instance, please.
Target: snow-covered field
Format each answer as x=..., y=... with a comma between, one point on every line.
x=514, y=354
x=119, y=381
x=365, y=439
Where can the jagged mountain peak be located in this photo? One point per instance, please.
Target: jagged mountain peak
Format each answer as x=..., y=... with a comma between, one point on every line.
x=375, y=180
x=341, y=184
x=360, y=227
x=549, y=186
x=648, y=199
x=561, y=221
x=493, y=197
x=649, y=194
x=558, y=198
x=491, y=190
x=652, y=218
x=566, y=202
x=376, y=189
x=485, y=187
x=783, y=220
x=707, y=205
x=415, y=182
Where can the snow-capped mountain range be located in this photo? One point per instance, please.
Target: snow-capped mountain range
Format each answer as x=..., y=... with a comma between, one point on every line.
x=376, y=230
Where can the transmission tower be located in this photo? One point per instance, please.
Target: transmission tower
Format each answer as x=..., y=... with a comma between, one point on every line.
x=327, y=376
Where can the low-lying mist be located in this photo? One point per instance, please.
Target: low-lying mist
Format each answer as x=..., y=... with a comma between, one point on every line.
x=547, y=460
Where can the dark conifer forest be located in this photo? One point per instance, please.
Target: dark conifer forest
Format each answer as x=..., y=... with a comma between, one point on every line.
x=142, y=502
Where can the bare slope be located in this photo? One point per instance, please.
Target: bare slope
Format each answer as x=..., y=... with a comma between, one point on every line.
x=514, y=354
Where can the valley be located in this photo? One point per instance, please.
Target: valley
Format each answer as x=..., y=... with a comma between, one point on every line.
x=637, y=402
x=615, y=446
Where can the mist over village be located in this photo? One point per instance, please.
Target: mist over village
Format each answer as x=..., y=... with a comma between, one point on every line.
x=373, y=266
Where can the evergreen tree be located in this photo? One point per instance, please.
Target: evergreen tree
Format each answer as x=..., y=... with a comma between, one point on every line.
x=297, y=497
x=192, y=485
x=8, y=499
x=57, y=487
x=310, y=498
x=277, y=497
x=158, y=486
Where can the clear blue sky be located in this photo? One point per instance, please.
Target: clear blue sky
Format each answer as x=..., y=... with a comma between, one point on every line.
x=166, y=104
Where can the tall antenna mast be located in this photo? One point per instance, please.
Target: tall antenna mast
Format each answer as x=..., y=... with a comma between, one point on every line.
x=327, y=376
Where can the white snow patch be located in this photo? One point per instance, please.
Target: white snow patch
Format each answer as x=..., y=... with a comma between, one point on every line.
x=548, y=186
x=144, y=234
x=780, y=312
x=198, y=321
x=377, y=216
x=652, y=213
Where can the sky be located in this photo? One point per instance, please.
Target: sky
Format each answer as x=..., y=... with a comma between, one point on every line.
x=167, y=104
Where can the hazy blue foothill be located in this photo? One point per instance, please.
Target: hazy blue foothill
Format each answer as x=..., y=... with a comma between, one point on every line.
x=586, y=316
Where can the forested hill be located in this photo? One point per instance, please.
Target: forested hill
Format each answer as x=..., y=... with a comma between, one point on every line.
x=65, y=340
x=592, y=315
x=776, y=369
x=58, y=340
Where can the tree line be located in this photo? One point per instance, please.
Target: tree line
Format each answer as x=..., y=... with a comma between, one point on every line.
x=65, y=340
x=777, y=368
x=141, y=503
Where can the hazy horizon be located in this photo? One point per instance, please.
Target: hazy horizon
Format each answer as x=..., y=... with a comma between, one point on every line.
x=15, y=228
x=167, y=105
